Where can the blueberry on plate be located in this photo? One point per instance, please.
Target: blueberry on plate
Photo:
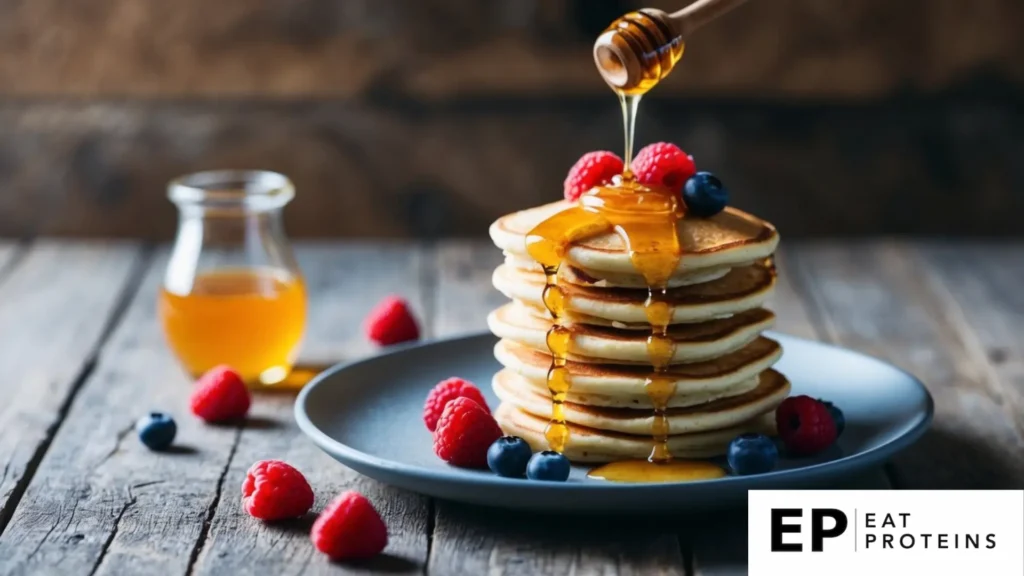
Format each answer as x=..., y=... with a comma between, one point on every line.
x=548, y=465
x=508, y=456
x=752, y=454
x=837, y=416
x=156, y=430
x=705, y=195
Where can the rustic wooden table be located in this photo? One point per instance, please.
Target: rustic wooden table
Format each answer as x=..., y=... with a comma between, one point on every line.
x=82, y=357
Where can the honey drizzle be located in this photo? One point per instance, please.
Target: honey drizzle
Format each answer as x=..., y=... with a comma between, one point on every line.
x=547, y=244
x=645, y=218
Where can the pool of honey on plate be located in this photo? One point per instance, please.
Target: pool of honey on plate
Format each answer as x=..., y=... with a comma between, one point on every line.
x=249, y=318
x=646, y=219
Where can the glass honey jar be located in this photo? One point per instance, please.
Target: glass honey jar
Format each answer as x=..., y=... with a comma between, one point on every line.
x=233, y=293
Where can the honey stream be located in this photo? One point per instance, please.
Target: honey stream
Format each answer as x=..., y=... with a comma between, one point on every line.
x=645, y=218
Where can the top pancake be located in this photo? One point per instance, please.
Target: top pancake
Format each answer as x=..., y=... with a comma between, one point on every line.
x=730, y=238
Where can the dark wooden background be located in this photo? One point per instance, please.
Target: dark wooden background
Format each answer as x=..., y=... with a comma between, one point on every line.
x=432, y=117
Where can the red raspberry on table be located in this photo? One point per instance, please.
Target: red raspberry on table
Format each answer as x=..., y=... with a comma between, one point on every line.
x=592, y=169
x=445, y=391
x=273, y=490
x=349, y=528
x=663, y=164
x=220, y=395
x=391, y=322
x=805, y=425
x=464, y=433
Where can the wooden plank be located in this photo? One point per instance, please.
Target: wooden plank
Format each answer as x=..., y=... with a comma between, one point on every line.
x=464, y=292
x=472, y=540
x=978, y=287
x=876, y=297
x=100, y=502
x=56, y=305
x=720, y=545
x=8, y=251
x=445, y=49
x=463, y=166
x=344, y=281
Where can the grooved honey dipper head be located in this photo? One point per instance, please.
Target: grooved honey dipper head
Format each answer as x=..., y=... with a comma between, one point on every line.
x=637, y=51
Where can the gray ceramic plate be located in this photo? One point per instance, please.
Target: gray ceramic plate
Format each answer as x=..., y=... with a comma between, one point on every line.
x=367, y=415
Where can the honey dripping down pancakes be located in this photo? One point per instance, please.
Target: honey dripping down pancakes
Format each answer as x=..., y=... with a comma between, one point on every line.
x=705, y=380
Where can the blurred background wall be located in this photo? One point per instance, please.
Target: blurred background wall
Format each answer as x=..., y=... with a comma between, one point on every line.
x=423, y=118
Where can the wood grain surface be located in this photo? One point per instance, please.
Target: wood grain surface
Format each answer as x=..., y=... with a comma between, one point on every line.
x=878, y=298
x=342, y=283
x=57, y=304
x=443, y=49
x=82, y=496
x=75, y=168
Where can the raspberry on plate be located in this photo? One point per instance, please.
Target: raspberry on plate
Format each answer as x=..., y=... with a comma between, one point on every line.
x=445, y=391
x=220, y=395
x=349, y=528
x=273, y=490
x=663, y=164
x=464, y=433
x=592, y=169
x=805, y=425
x=391, y=322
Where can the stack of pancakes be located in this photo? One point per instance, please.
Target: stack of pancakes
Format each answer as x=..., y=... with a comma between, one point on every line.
x=721, y=365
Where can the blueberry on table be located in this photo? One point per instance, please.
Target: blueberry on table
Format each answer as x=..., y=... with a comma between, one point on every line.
x=508, y=456
x=752, y=454
x=837, y=416
x=705, y=195
x=548, y=465
x=156, y=430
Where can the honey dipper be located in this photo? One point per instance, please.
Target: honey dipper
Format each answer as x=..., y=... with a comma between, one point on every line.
x=640, y=48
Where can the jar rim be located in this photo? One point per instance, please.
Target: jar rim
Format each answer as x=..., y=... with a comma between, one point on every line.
x=226, y=189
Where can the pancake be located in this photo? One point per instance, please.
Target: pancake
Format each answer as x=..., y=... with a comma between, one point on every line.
x=730, y=238
x=603, y=279
x=692, y=342
x=517, y=383
x=739, y=290
x=771, y=390
x=596, y=381
x=599, y=446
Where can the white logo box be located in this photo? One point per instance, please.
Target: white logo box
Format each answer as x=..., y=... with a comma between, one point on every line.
x=920, y=532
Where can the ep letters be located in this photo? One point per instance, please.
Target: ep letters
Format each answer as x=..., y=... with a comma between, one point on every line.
x=888, y=532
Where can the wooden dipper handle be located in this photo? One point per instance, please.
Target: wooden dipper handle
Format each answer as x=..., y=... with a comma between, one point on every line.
x=619, y=58
x=699, y=13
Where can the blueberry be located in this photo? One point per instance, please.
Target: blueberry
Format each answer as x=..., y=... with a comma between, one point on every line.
x=837, y=416
x=548, y=465
x=156, y=430
x=508, y=456
x=705, y=195
x=752, y=454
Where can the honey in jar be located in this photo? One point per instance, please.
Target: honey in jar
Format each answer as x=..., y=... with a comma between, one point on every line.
x=233, y=293
x=252, y=320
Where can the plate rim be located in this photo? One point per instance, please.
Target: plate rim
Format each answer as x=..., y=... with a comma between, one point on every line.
x=349, y=455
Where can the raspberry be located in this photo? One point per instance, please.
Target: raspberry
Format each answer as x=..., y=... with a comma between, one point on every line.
x=349, y=528
x=805, y=425
x=663, y=164
x=592, y=169
x=220, y=395
x=445, y=391
x=391, y=322
x=273, y=490
x=464, y=433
